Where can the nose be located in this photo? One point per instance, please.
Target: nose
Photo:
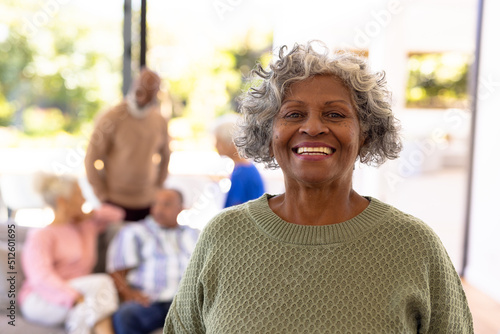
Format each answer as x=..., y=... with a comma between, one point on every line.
x=314, y=125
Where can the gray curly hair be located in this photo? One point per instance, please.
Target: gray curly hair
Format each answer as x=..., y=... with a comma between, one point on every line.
x=262, y=102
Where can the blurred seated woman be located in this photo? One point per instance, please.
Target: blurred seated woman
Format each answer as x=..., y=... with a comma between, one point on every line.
x=319, y=258
x=58, y=260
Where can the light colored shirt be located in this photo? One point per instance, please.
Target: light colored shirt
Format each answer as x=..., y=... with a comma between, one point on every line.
x=157, y=256
x=382, y=271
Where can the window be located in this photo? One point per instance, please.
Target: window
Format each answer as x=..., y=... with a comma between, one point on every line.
x=437, y=80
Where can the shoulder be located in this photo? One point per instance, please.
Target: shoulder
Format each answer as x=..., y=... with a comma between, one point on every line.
x=156, y=114
x=137, y=229
x=156, y=118
x=230, y=221
x=405, y=221
x=246, y=173
x=45, y=236
x=112, y=114
x=246, y=168
x=408, y=231
x=38, y=233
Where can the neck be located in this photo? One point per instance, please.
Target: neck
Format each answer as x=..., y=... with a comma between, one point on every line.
x=61, y=216
x=318, y=206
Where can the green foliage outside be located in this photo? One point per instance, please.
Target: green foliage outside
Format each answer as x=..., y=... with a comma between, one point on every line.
x=220, y=78
x=54, y=74
x=437, y=80
x=209, y=85
x=57, y=76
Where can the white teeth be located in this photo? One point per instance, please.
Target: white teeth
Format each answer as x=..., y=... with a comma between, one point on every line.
x=314, y=150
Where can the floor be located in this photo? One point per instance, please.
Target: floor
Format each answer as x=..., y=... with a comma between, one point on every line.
x=485, y=311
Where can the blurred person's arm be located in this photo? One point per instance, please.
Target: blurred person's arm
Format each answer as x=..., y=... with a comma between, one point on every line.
x=164, y=155
x=95, y=158
x=124, y=255
x=450, y=311
x=107, y=214
x=125, y=291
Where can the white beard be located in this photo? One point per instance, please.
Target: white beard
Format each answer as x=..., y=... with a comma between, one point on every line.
x=136, y=111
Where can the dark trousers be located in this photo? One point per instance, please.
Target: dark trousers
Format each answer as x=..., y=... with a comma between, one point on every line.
x=133, y=318
x=133, y=215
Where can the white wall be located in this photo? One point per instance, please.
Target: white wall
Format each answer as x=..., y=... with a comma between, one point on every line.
x=483, y=269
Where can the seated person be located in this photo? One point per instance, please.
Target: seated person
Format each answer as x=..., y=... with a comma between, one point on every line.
x=246, y=182
x=58, y=259
x=146, y=260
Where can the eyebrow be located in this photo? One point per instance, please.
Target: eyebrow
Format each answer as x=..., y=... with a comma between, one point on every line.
x=326, y=103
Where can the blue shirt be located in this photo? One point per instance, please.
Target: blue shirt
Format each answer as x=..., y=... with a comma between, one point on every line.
x=246, y=184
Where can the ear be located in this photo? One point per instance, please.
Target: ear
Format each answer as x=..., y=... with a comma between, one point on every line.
x=362, y=142
x=271, y=152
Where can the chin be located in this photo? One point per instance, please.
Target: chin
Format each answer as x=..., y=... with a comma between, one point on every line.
x=318, y=179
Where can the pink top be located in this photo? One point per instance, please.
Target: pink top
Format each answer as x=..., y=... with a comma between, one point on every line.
x=55, y=254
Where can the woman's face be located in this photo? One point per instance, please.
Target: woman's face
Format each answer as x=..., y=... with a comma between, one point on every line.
x=74, y=202
x=316, y=133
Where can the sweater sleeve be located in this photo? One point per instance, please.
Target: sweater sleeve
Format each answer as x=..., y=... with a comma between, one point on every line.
x=37, y=262
x=106, y=215
x=449, y=309
x=185, y=314
x=99, y=146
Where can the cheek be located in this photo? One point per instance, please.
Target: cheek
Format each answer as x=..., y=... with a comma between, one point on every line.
x=352, y=139
x=353, y=131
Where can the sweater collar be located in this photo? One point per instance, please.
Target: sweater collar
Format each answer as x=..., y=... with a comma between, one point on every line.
x=272, y=225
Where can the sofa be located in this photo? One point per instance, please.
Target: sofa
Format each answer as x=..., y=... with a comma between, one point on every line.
x=12, y=237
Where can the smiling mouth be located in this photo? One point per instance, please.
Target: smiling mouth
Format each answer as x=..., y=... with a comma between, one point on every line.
x=314, y=150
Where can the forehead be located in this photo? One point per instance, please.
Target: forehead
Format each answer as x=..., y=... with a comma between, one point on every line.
x=149, y=80
x=323, y=84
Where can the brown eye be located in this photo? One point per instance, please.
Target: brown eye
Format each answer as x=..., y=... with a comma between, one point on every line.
x=292, y=115
x=335, y=115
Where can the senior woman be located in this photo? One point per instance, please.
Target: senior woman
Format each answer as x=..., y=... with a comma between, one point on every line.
x=318, y=258
x=57, y=260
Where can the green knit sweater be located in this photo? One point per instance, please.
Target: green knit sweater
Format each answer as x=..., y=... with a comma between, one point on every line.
x=383, y=271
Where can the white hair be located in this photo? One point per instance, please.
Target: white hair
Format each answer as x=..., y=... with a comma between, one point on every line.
x=52, y=187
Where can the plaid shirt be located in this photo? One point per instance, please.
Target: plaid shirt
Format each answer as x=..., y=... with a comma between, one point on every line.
x=156, y=256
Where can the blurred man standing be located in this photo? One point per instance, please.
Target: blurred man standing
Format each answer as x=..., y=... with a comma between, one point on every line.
x=127, y=157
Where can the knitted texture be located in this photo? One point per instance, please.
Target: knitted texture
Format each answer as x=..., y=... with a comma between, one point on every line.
x=383, y=271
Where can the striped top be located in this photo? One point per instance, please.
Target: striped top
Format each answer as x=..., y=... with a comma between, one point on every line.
x=157, y=256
